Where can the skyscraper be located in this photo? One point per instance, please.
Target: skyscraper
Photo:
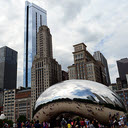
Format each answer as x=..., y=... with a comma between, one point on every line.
x=34, y=18
x=100, y=57
x=45, y=70
x=8, y=68
x=123, y=71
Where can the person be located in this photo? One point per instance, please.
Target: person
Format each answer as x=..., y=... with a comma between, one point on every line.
x=77, y=124
x=115, y=122
x=99, y=125
x=22, y=124
x=37, y=125
x=91, y=125
x=72, y=124
x=96, y=123
x=63, y=123
x=124, y=119
x=44, y=124
x=27, y=124
x=121, y=121
x=14, y=125
x=82, y=123
x=48, y=124
x=69, y=125
x=5, y=125
x=19, y=125
x=87, y=123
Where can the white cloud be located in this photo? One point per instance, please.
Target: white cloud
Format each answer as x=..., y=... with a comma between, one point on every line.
x=101, y=24
x=12, y=30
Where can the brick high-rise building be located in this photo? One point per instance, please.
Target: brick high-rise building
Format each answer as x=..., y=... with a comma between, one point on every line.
x=45, y=70
x=23, y=103
x=85, y=66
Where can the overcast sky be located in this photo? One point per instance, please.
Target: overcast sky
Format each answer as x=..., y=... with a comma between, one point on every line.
x=101, y=24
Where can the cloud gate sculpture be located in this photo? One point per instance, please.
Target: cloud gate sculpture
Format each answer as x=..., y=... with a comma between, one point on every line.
x=81, y=97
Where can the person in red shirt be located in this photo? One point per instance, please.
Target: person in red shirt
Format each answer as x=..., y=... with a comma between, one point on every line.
x=82, y=123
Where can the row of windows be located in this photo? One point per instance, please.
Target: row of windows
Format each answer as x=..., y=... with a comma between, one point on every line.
x=9, y=92
x=78, y=48
x=22, y=104
x=90, y=77
x=39, y=64
x=89, y=73
x=9, y=101
x=8, y=111
x=9, y=98
x=9, y=95
x=89, y=65
x=9, y=105
x=79, y=56
x=10, y=118
x=81, y=76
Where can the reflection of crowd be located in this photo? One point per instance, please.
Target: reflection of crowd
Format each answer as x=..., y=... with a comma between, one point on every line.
x=117, y=121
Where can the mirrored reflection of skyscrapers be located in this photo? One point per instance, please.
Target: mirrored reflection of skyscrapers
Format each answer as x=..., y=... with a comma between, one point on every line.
x=34, y=18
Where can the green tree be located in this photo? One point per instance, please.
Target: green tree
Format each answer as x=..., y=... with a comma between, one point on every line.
x=21, y=118
x=1, y=123
x=10, y=123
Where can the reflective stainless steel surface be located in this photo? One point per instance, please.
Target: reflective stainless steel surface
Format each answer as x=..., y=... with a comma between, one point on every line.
x=78, y=91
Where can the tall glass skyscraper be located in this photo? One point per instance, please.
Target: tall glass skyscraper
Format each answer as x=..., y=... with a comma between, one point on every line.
x=34, y=18
x=122, y=65
x=8, y=68
x=100, y=57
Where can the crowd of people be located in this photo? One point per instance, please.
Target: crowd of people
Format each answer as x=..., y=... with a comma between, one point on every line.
x=115, y=121
x=80, y=123
x=83, y=123
x=35, y=124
